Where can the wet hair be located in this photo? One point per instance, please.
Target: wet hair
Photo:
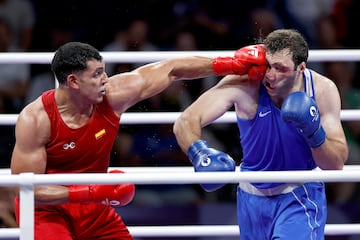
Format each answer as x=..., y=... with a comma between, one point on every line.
x=72, y=57
x=288, y=39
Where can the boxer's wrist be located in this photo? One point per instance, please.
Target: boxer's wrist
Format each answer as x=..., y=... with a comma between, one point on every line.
x=79, y=193
x=222, y=66
x=318, y=138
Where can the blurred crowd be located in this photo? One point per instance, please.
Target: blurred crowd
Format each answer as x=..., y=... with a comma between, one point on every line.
x=176, y=25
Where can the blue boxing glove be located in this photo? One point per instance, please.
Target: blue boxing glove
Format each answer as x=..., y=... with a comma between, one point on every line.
x=302, y=111
x=206, y=159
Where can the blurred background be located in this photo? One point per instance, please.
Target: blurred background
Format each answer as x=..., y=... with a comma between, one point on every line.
x=176, y=25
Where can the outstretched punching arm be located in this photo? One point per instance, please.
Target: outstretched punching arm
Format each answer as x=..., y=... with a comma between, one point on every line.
x=126, y=89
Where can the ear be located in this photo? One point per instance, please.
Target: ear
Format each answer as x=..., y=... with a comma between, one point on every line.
x=73, y=81
x=302, y=66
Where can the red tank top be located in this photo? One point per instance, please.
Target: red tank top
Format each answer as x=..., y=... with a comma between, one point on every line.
x=86, y=149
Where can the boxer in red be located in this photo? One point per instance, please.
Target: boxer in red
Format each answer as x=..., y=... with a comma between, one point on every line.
x=71, y=129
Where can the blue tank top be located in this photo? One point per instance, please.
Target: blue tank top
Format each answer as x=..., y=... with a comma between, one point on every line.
x=269, y=143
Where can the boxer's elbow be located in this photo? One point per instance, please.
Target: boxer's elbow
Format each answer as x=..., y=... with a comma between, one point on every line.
x=179, y=127
x=341, y=154
x=186, y=130
x=333, y=157
x=344, y=155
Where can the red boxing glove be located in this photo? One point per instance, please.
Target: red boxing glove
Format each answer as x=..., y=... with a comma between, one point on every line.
x=247, y=60
x=115, y=195
x=257, y=73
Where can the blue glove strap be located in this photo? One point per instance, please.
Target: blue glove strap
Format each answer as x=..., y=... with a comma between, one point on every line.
x=195, y=147
x=317, y=138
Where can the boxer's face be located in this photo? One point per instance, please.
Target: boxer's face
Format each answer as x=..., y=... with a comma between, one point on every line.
x=280, y=74
x=91, y=82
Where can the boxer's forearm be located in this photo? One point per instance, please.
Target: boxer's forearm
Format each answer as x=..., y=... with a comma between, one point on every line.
x=331, y=155
x=51, y=195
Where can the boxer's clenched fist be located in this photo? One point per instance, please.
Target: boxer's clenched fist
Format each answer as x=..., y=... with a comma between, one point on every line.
x=116, y=195
x=249, y=60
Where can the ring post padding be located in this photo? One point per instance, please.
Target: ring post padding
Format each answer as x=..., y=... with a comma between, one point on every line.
x=26, y=183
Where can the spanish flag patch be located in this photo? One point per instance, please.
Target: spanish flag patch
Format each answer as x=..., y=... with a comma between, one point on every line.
x=100, y=133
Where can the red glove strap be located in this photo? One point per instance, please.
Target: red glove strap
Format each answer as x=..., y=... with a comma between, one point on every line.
x=79, y=194
x=223, y=66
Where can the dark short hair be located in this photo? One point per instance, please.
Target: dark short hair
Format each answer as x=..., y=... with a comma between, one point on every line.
x=72, y=57
x=288, y=39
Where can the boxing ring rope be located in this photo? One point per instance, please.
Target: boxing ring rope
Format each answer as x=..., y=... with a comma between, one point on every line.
x=204, y=231
x=27, y=181
x=170, y=175
x=170, y=117
x=151, y=56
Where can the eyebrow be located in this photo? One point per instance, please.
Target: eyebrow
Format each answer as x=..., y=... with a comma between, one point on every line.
x=98, y=69
x=280, y=65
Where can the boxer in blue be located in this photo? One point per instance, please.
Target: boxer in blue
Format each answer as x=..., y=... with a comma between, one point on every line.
x=288, y=120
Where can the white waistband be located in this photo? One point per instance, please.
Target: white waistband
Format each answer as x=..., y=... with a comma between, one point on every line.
x=281, y=189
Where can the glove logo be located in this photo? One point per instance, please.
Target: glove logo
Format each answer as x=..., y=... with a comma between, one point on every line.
x=314, y=113
x=111, y=202
x=205, y=162
x=253, y=53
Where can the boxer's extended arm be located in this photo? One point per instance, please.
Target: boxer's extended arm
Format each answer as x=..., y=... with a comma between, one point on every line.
x=126, y=89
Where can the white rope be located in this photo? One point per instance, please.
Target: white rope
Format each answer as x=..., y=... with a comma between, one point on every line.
x=27, y=181
x=151, y=56
x=184, y=177
x=9, y=233
x=181, y=169
x=199, y=230
x=200, y=177
x=222, y=230
x=170, y=117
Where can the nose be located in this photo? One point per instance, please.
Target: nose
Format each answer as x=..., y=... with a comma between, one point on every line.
x=104, y=78
x=270, y=74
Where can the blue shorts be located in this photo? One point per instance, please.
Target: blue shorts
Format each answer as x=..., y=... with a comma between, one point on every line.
x=298, y=214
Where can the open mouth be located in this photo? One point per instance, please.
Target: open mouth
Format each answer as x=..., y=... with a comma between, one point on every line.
x=102, y=92
x=267, y=85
